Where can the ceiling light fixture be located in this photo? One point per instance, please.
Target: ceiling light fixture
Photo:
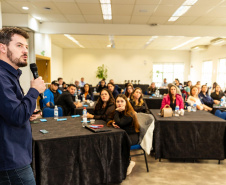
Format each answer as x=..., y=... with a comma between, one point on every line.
x=74, y=40
x=182, y=9
x=25, y=8
x=150, y=40
x=199, y=47
x=106, y=9
x=185, y=43
x=218, y=41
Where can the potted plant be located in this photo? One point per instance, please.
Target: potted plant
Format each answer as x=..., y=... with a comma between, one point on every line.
x=102, y=72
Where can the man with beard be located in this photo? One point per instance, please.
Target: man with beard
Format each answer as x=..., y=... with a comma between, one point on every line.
x=16, y=109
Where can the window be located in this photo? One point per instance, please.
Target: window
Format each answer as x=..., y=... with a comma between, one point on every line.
x=170, y=71
x=221, y=73
x=207, y=67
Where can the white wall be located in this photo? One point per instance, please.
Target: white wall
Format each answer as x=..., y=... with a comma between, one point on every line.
x=42, y=43
x=56, y=62
x=122, y=64
x=213, y=53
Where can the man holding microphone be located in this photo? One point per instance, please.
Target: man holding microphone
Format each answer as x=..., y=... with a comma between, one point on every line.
x=16, y=110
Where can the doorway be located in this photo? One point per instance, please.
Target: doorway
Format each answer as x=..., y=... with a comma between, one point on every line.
x=44, y=70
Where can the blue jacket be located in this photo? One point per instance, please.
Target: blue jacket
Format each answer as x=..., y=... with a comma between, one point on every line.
x=206, y=99
x=88, y=97
x=15, y=112
x=49, y=97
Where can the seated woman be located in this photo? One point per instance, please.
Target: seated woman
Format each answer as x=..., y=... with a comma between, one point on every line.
x=87, y=93
x=152, y=88
x=217, y=95
x=173, y=99
x=129, y=90
x=101, y=86
x=213, y=87
x=125, y=118
x=105, y=106
x=188, y=88
x=137, y=102
x=194, y=98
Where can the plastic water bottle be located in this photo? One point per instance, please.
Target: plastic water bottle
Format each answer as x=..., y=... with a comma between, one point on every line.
x=79, y=91
x=83, y=98
x=222, y=102
x=194, y=107
x=76, y=92
x=55, y=112
x=95, y=90
x=177, y=110
x=84, y=123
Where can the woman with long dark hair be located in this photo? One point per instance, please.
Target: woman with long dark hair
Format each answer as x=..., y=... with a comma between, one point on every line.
x=105, y=106
x=173, y=99
x=87, y=93
x=126, y=119
x=137, y=101
x=129, y=90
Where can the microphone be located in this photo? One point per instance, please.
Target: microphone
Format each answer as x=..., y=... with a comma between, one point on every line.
x=34, y=71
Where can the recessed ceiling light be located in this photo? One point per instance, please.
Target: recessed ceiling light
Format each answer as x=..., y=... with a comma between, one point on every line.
x=25, y=8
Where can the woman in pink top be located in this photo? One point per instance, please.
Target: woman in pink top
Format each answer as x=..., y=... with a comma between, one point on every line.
x=173, y=99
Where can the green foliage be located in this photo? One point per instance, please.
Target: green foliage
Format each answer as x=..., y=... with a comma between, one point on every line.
x=102, y=72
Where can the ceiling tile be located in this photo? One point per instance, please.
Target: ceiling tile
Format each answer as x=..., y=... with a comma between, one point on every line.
x=7, y=8
x=53, y=17
x=217, y=12
x=198, y=10
x=122, y=9
x=172, y=2
x=208, y=2
x=75, y=18
x=90, y=9
x=68, y=8
x=40, y=6
x=164, y=10
x=93, y=18
x=218, y=22
x=139, y=19
x=125, y=2
x=152, y=2
x=121, y=19
x=87, y=1
x=144, y=9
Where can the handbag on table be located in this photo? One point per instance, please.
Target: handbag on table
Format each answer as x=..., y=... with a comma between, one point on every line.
x=167, y=111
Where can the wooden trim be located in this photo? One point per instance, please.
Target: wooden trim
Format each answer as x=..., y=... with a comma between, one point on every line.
x=42, y=57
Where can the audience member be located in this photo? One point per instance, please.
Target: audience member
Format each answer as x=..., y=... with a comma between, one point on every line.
x=214, y=87
x=198, y=87
x=117, y=88
x=51, y=94
x=82, y=82
x=205, y=98
x=188, y=88
x=60, y=82
x=66, y=101
x=129, y=90
x=125, y=118
x=177, y=88
x=137, y=101
x=173, y=99
x=198, y=83
x=102, y=86
x=111, y=87
x=164, y=84
x=87, y=93
x=217, y=94
x=64, y=86
x=100, y=82
x=194, y=99
x=77, y=84
x=152, y=88
x=104, y=107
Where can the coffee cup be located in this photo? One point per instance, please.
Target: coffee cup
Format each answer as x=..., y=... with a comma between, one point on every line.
x=182, y=112
x=189, y=108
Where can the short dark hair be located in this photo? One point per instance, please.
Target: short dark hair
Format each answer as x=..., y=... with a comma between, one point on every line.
x=71, y=85
x=60, y=78
x=7, y=33
x=111, y=84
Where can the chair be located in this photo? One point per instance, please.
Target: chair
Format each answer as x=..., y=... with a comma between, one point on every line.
x=49, y=112
x=40, y=104
x=220, y=114
x=138, y=147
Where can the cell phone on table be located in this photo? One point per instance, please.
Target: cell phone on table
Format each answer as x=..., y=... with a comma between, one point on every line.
x=37, y=112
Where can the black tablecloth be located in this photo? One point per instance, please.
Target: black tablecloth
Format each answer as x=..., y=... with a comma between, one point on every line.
x=90, y=109
x=163, y=91
x=196, y=135
x=153, y=102
x=70, y=154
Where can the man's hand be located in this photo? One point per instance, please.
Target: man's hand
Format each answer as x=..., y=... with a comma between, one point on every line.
x=78, y=105
x=35, y=116
x=38, y=84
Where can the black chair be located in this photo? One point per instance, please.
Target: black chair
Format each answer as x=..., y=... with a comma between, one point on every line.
x=138, y=147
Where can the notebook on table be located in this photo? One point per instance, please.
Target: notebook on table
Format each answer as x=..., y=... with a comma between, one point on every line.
x=96, y=129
